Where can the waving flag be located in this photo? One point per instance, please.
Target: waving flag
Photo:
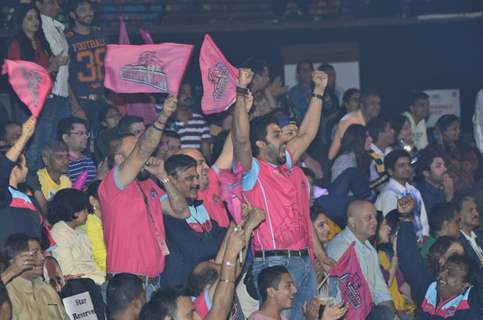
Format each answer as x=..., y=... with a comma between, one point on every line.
x=150, y=68
x=123, y=34
x=146, y=36
x=81, y=181
x=30, y=81
x=219, y=78
x=353, y=285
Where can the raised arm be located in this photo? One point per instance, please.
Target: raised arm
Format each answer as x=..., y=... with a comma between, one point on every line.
x=225, y=159
x=145, y=146
x=241, y=123
x=310, y=124
x=28, y=129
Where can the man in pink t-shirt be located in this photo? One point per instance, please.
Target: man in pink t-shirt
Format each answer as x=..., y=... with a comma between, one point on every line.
x=272, y=182
x=131, y=206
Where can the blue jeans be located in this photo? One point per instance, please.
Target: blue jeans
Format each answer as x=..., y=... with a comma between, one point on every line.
x=55, y=109
x=303, y=275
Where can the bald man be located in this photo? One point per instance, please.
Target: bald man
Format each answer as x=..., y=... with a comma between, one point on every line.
x=131, y=204
x=361, y=225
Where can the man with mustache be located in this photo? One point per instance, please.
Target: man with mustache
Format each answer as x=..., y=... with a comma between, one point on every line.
x=470, y=237
x=132, y=208
x=271, y=182
x=87, y=46
x=195, y=238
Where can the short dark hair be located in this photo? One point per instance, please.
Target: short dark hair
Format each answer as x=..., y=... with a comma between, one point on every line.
x=425, y=161
x=366, y=93
x=168, y=299
x=466, y=263
x=393, y=156
x=301, y=63
x=376, y=126
x=258, y=131
x=445, y=121
x=270, y=278
x=72, y=5
x=397, y=122
x=3, y=128
x=197, y=281
x=326, y=67
x=103, y=112
x=93, y=188
x=66, y=124
x=16, y=244
x=54, y=146
x=437, y=250
x=462, y=198
x=126, y=122
x=348, y=94
x=178, y=163
x=154, y=311
x=315, y=211
x=65, y=204
x=415, y=96
x=121, y=292
x=440, y=213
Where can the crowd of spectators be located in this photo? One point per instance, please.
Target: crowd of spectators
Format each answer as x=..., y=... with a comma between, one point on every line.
x=158, y=212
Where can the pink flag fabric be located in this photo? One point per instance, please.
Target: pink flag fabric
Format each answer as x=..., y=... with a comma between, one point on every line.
x=123, y=34
x=353, y=285
x=146, y=36
x=219, y=78
x=80, y=182
x=30, y=81
x=149, y=68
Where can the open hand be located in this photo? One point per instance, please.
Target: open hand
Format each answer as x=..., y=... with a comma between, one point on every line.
x=28, y=127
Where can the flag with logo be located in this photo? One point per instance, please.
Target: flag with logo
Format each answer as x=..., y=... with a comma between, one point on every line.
x=219, y=78
x=353, y=286
x=149, y=68
x=30, y=81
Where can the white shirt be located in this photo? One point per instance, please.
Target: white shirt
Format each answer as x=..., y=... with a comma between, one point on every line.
x=472, y=240
x=420, y=137
x=368, y=261
x=73, y=251
x=54, y=33
x=392, y=191
x=372, y=168
x=478, y=121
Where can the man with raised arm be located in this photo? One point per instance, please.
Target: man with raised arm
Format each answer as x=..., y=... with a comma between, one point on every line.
x=131, y=205
x=271, y=182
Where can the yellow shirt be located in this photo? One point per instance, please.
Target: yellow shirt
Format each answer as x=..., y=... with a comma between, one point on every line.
x=34, y=300
x=95, y=233
x=48, y=186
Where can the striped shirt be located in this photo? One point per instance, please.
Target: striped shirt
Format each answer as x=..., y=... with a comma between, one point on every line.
x=193, y=132
x=79, y=165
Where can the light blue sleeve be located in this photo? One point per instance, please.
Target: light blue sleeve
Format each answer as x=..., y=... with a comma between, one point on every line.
x=117, y=181
x=250, y=177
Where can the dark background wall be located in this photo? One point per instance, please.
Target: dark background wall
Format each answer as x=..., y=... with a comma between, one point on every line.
x=393, y=59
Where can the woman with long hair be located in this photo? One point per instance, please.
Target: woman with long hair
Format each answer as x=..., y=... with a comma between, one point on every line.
x=402, y=131
x=353, y=151
x=29, y=42
x=462, y=160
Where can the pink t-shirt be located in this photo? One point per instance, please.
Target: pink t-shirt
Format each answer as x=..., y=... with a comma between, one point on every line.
x=134, y=244
x=258, y=315
x=283, y=192
x=213, y=201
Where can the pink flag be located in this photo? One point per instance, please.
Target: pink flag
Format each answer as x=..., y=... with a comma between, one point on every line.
x=30, y=81
x=123, y=34
x=149, y=68
x=353, y=285
x=80, y=181
x=219, y=78
x=146, y=36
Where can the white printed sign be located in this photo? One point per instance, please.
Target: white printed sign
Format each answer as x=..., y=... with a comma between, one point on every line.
x=80, y=307
x=444, y=101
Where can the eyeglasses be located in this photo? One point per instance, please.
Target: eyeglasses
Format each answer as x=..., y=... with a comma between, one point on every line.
x=80, y=133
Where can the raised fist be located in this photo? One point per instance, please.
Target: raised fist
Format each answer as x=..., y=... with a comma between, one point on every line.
x=245, y=77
